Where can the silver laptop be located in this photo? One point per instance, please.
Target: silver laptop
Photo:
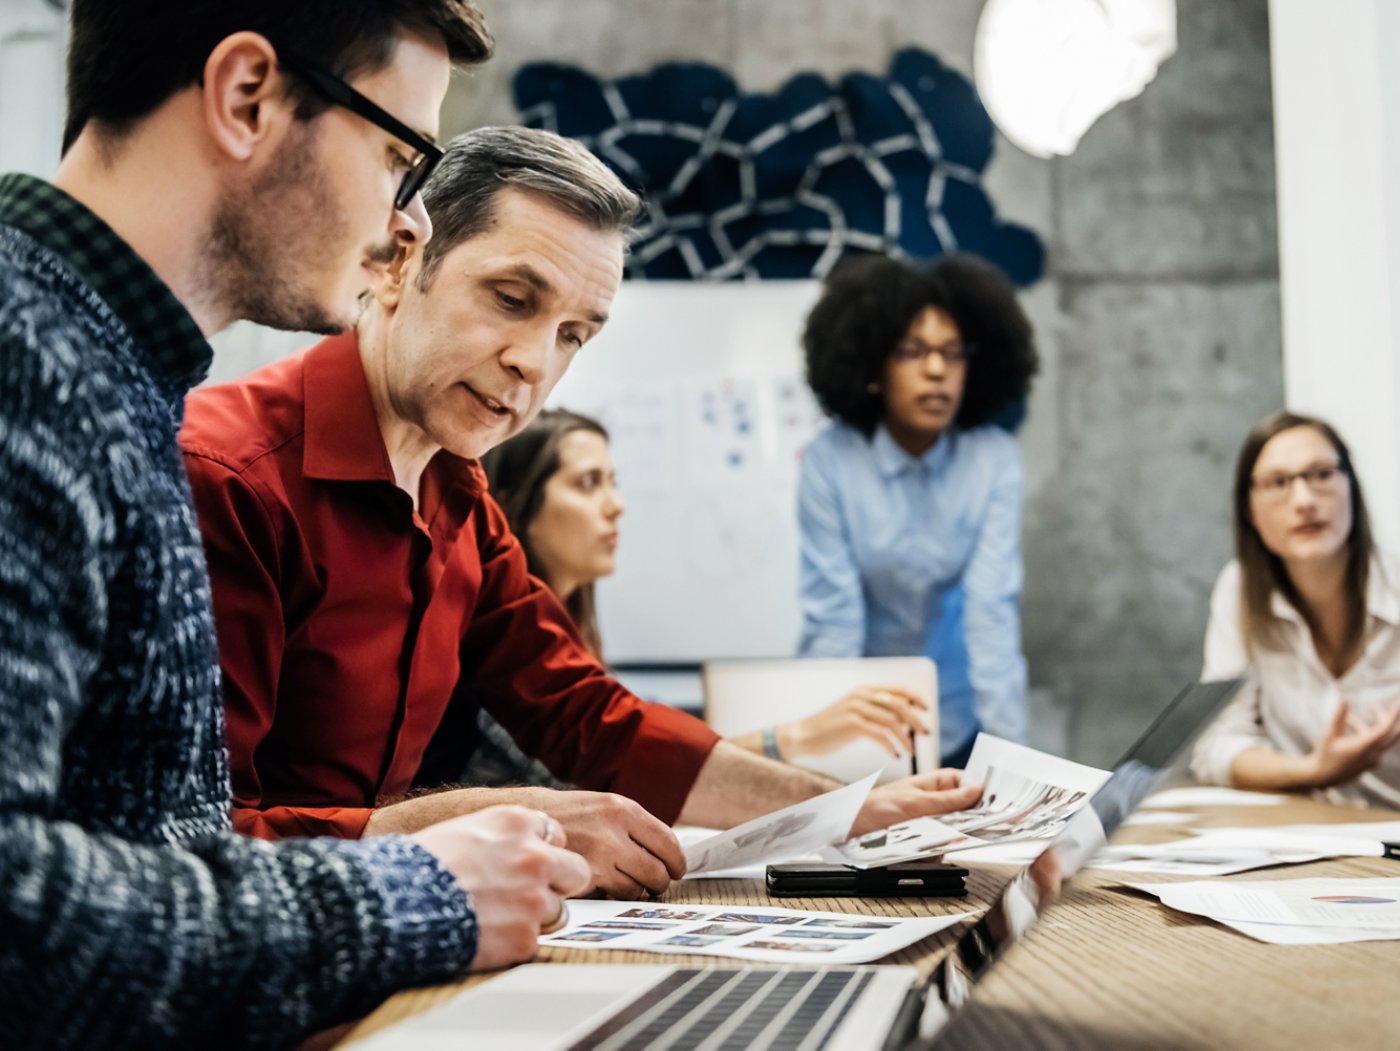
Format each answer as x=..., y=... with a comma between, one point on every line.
x=553, y=1007
x=746, y=695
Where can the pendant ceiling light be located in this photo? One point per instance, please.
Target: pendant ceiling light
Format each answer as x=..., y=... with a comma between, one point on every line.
x=1047, y=69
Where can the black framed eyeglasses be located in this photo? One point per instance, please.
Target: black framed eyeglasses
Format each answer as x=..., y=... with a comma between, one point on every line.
x=342, y=94
x=954, y=352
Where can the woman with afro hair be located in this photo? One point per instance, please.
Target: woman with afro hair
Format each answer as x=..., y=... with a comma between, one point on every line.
x=910, y=501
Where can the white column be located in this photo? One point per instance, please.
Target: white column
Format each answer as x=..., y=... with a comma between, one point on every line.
x=32, y=38
x=1337, y=128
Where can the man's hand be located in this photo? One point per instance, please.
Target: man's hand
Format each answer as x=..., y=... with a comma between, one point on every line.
x=1348, y=749
x=887, y=715
x=925, y=795
x=629, y=852
x=511, y=861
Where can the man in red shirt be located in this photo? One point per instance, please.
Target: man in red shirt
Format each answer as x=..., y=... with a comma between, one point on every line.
x=361, y=571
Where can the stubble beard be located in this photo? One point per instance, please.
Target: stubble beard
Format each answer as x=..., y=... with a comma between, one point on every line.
x=270, y=242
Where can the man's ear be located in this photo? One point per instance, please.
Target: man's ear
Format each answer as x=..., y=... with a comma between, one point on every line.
x=244, y=100
x=390, y=277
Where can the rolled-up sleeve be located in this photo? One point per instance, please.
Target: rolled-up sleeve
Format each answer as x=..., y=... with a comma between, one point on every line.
x=833, y=604
x=524, y=658
x=992, y=618
x=1226, y=657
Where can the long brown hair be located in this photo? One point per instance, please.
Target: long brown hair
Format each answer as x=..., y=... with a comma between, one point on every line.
x=1262, y=572
x=518, y=471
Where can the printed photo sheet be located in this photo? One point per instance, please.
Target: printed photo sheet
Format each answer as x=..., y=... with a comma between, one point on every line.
x=1027, y=795
x=766, y=935
x=783, y=835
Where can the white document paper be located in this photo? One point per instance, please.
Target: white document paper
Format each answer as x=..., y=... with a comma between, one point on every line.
x=1280, y=934
x=1026, y=795
x=991, y=754
x=1160, y=817
x=1189, y=796
x=743, y=932
x=1223, y=851
x=691, y=835
x=905, y=841
x=1345, y=904
x=783, y=835
x=1017, y=852
x=1222, y=862
x=1379, y=831
x=1287, y=839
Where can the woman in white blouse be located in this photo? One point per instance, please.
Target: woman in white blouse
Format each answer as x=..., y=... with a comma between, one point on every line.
x=1312, y=614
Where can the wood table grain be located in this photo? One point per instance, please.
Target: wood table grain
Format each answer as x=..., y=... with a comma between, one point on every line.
x=1111, y=968
x=1105, y=967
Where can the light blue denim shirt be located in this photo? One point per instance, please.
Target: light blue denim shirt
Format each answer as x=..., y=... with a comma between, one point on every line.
x=891, y=542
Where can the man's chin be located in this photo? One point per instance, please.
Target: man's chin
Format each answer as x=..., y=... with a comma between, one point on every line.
x=475, y=446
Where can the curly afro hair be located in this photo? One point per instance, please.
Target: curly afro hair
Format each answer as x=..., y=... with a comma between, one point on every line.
x=867, y=307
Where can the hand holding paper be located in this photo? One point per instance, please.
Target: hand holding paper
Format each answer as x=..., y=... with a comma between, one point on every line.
x=1025, y=795
x=784, y=834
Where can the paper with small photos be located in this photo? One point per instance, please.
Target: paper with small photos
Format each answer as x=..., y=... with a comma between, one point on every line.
x=764, y=935
x=1026, y=795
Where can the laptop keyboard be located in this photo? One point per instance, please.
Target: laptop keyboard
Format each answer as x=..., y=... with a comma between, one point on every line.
x=705, y=1009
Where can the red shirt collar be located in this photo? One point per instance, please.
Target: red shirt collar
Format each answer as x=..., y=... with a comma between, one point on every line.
x=343, y=442
x=342, y=436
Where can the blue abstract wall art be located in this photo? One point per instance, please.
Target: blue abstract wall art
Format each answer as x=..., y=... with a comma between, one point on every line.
x=783, y=185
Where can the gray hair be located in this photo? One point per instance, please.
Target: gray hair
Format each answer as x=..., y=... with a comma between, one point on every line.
x=461, y=194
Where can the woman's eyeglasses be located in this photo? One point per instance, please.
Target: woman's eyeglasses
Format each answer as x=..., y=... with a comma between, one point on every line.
x=910, y=351
x=1322, y=480
x=342, y=94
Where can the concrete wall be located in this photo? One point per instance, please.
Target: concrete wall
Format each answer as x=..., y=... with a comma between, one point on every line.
x=1164, y=257
x=1159, y=318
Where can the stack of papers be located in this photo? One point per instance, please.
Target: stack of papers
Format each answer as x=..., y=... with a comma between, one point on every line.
x=762, y=934
x=1027, y=797
x=1292, y=912
x=1189, y=796
x=1222, y=851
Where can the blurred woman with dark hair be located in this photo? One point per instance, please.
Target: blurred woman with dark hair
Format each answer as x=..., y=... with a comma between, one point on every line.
x=910, y=503
x=556, y=484
x=1311, y=612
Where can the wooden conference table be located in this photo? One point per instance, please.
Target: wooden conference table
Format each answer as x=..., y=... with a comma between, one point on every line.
x=1108, y=968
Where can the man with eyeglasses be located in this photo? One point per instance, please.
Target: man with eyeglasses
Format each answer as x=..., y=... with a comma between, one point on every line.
x=206, y=178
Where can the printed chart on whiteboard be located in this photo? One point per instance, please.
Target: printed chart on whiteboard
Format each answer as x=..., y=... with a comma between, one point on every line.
x=701, y=388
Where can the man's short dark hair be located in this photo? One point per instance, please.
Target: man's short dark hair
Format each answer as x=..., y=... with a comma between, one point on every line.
x=461, y=194
x=866, y=309
x=126, y=57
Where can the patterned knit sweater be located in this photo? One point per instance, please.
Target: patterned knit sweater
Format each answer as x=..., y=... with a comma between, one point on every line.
x=130, y=913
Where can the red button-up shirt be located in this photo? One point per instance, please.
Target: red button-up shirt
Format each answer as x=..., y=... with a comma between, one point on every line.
x=346, y=619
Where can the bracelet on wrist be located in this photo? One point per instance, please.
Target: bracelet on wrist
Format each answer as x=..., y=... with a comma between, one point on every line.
x=770, y=743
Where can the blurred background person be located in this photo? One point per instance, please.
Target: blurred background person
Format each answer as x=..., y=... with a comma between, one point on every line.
x=1310, y=611
x=910, y=502
x=558, y=488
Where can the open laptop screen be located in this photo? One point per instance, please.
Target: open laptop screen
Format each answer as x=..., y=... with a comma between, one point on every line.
x=1134, y=777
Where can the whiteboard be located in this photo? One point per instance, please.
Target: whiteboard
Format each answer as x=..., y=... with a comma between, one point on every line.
x=701, y=387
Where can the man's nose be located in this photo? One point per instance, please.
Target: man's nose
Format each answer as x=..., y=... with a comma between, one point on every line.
x=527, y=353
x=411, y=224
